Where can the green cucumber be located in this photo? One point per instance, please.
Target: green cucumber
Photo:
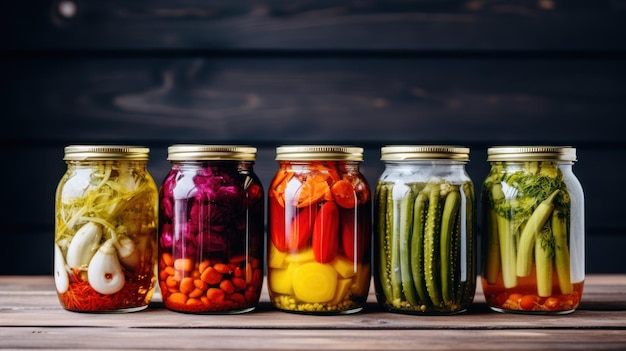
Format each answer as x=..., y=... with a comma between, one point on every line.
x=448, y=249
x=383, y=236
x=405, y=230
x=431, y=247
x=417, y=248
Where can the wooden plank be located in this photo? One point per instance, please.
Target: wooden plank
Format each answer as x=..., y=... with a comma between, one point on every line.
x=603, y=306
x=553, y=25
x=254, y=339
x=282, y=100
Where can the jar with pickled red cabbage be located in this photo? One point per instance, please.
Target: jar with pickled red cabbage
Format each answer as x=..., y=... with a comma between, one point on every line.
x=106, y=229
x=533, y=254
x=211, y=230
x=319, y=224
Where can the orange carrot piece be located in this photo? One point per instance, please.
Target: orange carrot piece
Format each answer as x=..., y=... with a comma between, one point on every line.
x=343, y=193
x=227, y=286
x=211, y=276
x=215, y=295
x=167, y=259
x=183, y=264
x=177, y=299
x=186, y=285
x=222, y=268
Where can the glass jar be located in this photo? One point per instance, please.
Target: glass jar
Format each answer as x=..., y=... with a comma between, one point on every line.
x=424, y=219
x=211, y=230
x=105, y=232
x=533, y=253
x=319, y=219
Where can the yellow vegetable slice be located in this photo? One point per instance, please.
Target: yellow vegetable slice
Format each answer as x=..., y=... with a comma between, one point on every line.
x=276, y=258
x=302, y=256
x=343, y=290
x=344, y=266
x=314, y=282
x=280, y=280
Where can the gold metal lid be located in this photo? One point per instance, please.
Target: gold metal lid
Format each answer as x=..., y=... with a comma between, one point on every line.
x=105, y=152
x=319, y=152
x=424, y=152
x=531, y=153
x=194, y=152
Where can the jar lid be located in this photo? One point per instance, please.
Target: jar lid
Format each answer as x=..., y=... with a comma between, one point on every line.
x=319, y=152
x=194, y=152
x=105, y=152
x=531, y=153
x=424, y=152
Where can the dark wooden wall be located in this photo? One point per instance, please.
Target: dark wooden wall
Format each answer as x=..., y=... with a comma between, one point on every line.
x=270, y=72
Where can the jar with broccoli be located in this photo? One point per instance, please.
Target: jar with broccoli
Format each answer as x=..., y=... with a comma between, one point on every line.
x=533, y=225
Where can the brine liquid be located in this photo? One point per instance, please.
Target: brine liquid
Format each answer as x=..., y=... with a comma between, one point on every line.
x=523, y=297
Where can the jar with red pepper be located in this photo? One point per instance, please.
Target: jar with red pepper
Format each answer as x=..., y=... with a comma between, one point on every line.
x=211, y=230
x=319, y=224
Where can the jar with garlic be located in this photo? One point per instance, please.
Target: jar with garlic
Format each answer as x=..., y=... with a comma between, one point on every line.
x=105, y=229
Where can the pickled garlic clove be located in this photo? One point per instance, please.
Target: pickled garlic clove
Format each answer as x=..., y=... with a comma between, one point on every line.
x=83, y=245
x=127, y=252
x=61, y=278
x=105, y=273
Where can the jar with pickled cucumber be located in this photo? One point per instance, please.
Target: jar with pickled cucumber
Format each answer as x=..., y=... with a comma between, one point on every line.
x=105, y=229
x=533, y=253
x=319, y=226
x=424, y=220
x=211, y=237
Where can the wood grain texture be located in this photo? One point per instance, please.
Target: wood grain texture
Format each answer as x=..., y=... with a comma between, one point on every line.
x=276, y=100
x=551, y=25
x=33, y=319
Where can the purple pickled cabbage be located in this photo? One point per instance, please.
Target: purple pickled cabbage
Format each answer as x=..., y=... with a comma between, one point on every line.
x=210, y=207
x=166, y=236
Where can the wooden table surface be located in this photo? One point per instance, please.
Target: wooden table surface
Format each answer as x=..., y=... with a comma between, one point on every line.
x=32, y=318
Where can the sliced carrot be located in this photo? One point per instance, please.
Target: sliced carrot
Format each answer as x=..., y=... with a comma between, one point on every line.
x=196, y=293
x=171, y=282
x=311, y=192
x=177, y=299
x=199, y=284
x=167, y=259
x=194, y=302
x=344, y=194
x=222, y=268
x=227, y=286
x=183, y=264
x=211, y=276
x=239, y=283
x=215, y=295
x=169, y=270
x=203, y=265
x=186, y=285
